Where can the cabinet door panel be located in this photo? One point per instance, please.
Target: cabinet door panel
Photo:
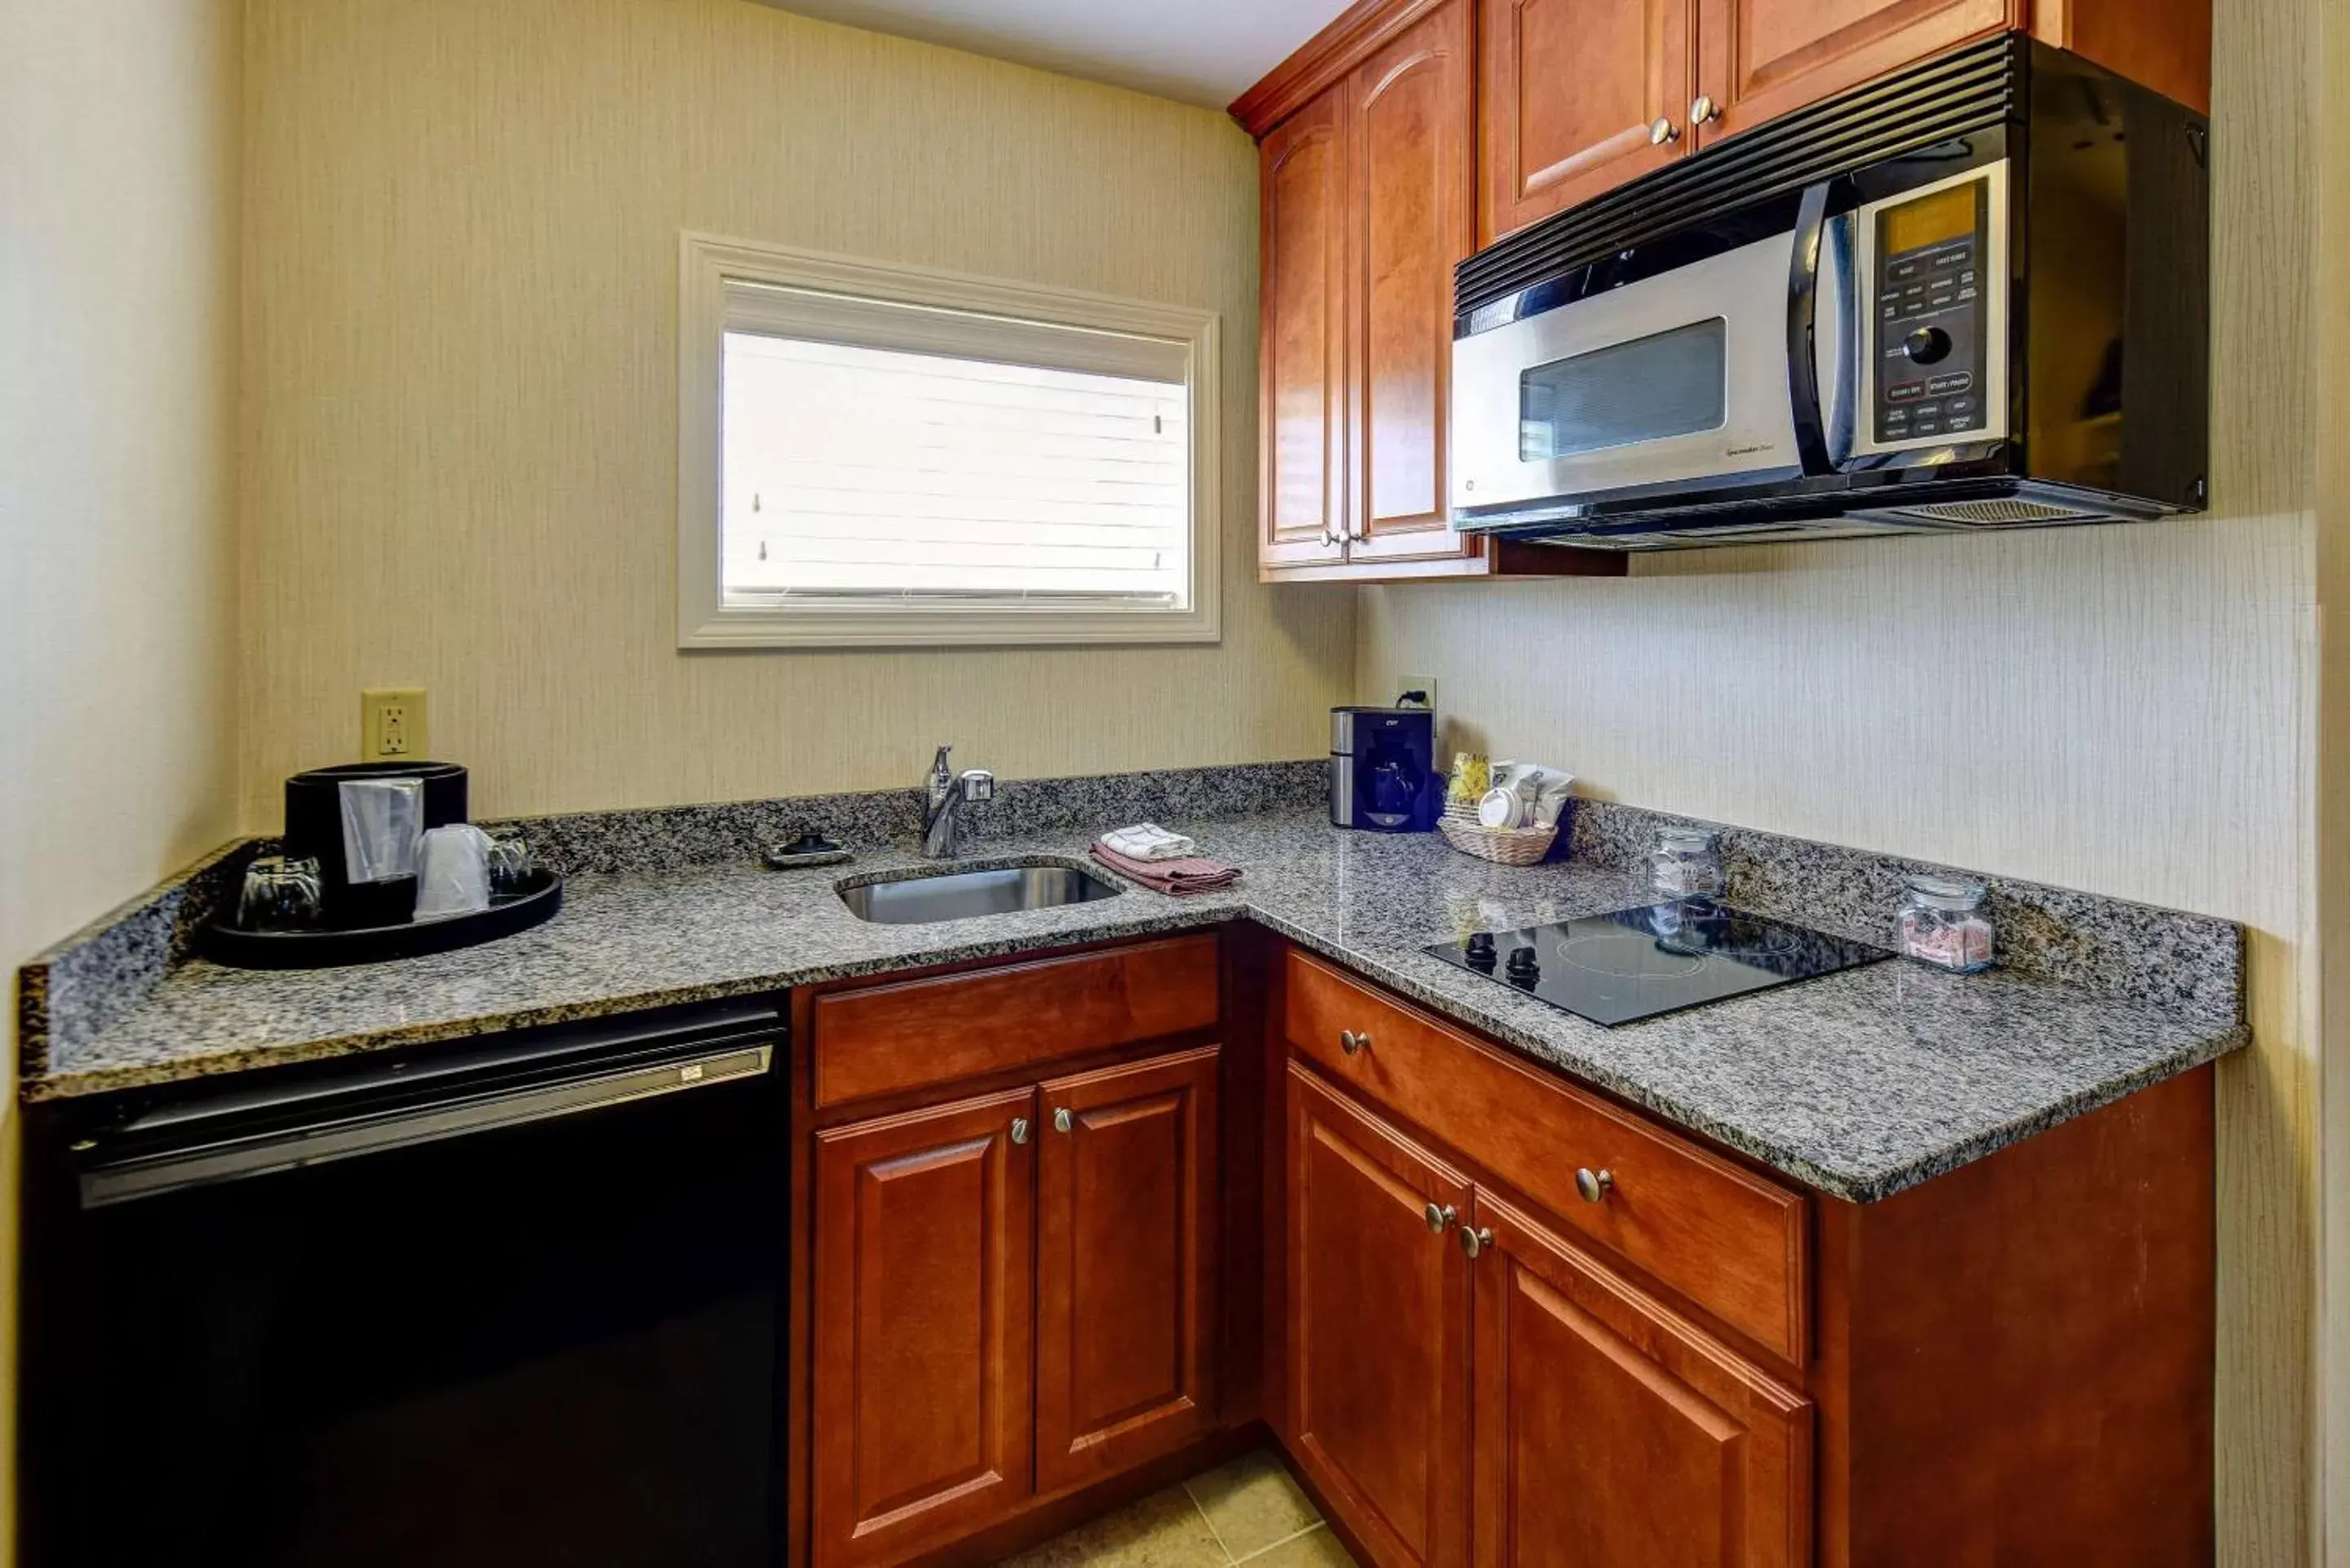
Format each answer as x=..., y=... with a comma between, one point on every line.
x=1761, y=58
x=1567, y=90
x=1303, y=436
x=1412, y=129
x=1379, y=1341
x=922, y=1277
x=1125, y=1271
x=1610, y=1431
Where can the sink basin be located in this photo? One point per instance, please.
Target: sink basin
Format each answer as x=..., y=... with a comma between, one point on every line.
x=919, y=898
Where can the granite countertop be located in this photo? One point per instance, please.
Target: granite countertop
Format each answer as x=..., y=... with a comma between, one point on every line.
x=1860, y=1083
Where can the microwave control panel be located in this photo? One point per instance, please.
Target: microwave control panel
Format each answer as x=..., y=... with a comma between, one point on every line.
x=1932, y=259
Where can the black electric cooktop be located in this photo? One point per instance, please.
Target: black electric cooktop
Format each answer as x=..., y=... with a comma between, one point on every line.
x=1637, y=963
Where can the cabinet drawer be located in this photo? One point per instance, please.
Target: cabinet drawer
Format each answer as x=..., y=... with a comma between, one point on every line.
x=1730, y=1240
x=912, y=1033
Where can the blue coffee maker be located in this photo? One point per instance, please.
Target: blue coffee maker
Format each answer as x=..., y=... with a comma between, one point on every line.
x=1383, y=774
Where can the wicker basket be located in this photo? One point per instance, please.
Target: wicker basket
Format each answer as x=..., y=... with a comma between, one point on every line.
x=1504, y=845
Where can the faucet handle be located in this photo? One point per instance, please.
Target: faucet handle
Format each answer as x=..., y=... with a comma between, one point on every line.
x=978, y=784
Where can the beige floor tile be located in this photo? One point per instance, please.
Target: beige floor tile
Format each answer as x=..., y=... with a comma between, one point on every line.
x=1163, y=1530
x=1318, y=1548
x=1251, y=1502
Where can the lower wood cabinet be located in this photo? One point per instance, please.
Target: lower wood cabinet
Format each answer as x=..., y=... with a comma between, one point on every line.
x=924, y=1323
x=1126, y=1266
x=1447, y=1348
x=1609, y=1430
x=1378, y=1328
x=1014, y=1294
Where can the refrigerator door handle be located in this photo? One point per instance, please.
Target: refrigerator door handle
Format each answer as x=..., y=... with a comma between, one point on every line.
x=230, y=1160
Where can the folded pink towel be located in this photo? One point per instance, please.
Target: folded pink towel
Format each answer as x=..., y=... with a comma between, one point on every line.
x=1191, y=874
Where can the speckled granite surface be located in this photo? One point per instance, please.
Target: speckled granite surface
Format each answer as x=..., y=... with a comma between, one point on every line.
x=2188, y=964
x=1861, y=1083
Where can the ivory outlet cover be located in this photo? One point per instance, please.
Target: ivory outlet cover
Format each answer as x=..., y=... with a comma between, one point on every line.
x=392, y=723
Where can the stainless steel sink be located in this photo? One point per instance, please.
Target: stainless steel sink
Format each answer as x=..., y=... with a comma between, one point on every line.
x=919, y=898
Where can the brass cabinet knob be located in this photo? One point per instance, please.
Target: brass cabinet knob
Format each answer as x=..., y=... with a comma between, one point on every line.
x=1350, y=1042
x=1476, y=1241
x=1440, y=1217
x=1061, y=1119
x=1594, y=1185
x=1704, y=111
x=1664, y=130
x=1019, y=1129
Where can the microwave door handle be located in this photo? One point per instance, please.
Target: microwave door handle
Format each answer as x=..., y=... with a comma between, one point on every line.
x=1802, y=311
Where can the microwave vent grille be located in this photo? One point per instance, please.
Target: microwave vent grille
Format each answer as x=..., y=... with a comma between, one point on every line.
x=1993, y=514
x=1961, y=93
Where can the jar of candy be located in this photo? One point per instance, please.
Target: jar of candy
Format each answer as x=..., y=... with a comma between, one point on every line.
x=1943, y=923
x=1686, y=863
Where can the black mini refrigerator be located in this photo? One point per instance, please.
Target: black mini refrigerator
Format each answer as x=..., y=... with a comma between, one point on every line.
x=512, y=1301
x=1383, y=773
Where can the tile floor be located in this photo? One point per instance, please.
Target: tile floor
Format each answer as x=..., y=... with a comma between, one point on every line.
x=1246, y=1511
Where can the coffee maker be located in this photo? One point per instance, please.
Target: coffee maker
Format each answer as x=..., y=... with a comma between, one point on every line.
x=1383, y=774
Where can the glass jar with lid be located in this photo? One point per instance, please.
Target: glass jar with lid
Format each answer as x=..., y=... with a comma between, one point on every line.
x=1944, y=923
x=1686, y=863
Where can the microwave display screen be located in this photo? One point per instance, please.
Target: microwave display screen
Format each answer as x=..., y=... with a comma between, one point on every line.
x=1931, y=220
x=1672, y=383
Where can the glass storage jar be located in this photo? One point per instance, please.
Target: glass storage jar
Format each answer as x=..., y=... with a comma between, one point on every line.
x=1943, y=923
x=1686, y=863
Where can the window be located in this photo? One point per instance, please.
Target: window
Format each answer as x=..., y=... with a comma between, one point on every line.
x=878, y=455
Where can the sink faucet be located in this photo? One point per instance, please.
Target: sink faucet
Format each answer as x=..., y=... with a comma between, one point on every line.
x=944, y=794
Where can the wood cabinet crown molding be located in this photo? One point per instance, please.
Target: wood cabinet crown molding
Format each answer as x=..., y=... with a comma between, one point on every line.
x=1324, y=60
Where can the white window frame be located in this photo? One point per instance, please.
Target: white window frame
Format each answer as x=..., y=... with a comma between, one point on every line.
x=708, y=308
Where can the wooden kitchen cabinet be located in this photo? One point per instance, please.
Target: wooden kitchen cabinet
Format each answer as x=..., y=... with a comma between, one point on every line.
x=1572, y=98
x=1378, y=1334
x=1009, y=1239
x=1411, y=128
x=1610, y=1430
x=1367, y=204
x=1447, y=1347
x=924, y=1324
x=1126, y=1299
x=1302, y=436
x=1571, y=94
x=1757, y=59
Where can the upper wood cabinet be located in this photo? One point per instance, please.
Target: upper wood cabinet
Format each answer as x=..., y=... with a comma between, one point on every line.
x=1572, y=95
x=1302, y=413
x=1575, y=97
x=1410, y=127
x=1759, y=58
x=1369, y=204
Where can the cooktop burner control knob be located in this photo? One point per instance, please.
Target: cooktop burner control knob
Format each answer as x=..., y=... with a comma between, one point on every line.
x=1524, y=965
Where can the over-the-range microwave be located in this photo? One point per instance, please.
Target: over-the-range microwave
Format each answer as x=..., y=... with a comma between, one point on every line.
x=1975, y=295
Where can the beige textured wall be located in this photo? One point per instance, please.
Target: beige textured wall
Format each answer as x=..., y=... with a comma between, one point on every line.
x=2332, y=294
x=460, y=228
x=2126, y=709
x=118, y=233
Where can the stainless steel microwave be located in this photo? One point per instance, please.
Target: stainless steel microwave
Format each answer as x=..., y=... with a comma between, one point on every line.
x=1971, y=296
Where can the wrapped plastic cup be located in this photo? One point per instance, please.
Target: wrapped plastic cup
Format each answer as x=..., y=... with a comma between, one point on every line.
x=452, y=874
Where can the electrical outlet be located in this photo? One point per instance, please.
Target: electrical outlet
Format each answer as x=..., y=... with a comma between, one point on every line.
x=391, y=723
x=1421, y=683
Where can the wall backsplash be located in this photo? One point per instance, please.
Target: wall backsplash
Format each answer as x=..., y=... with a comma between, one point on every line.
x=461, y=227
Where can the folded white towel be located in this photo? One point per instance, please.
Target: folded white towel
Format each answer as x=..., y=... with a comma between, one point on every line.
x=1148, y=841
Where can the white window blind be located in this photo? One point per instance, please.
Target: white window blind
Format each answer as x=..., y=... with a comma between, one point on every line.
x=871, y=454
x=854, y=472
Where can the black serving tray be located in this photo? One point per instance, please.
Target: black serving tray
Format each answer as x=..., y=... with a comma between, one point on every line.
x=224, y=942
